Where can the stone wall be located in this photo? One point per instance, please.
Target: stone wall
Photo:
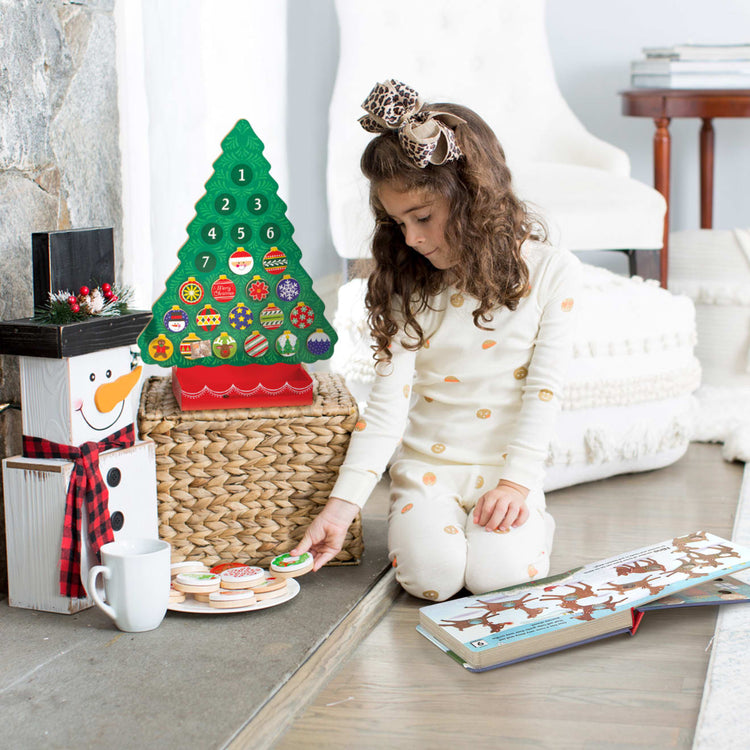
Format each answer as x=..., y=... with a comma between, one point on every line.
x=59, y=153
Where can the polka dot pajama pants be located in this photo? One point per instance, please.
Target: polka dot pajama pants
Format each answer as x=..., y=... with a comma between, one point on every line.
x=436, y=547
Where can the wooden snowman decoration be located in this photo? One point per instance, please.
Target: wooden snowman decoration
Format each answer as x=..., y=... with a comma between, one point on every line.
x=78, y=392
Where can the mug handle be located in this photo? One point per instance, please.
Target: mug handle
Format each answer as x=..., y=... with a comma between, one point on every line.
x=93, y=573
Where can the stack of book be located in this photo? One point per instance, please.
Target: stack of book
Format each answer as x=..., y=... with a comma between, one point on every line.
x=693, y=66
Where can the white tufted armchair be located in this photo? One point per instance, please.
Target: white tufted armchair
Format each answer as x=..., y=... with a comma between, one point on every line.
x=629, y=401
x=493, y=56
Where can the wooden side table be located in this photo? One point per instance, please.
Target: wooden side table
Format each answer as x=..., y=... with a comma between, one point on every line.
x=664, y=104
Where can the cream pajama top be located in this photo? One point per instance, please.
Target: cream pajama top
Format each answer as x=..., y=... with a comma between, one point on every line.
x=471, y=396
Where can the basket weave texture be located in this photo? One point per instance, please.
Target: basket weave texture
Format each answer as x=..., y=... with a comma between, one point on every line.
x=244, y=484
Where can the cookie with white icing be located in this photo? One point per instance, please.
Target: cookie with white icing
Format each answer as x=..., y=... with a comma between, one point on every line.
x=243, y=577
x=221, y=567
x=197, y=583
x=290, y=566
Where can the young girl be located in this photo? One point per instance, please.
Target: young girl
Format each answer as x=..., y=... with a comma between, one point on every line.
x=471, y=314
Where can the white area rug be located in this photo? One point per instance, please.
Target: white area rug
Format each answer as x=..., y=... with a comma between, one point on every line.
x=724, y=417
x=723, y=720
x=712, y=267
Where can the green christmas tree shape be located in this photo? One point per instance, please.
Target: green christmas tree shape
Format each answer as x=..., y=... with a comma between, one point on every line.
x=239, y=295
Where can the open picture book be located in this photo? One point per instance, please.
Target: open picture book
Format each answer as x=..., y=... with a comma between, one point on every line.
x=595, y=601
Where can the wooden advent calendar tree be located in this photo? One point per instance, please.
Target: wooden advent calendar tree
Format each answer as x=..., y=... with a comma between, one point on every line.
x=239, y=315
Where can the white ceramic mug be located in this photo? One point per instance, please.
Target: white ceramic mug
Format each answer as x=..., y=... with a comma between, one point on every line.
x=136, y=583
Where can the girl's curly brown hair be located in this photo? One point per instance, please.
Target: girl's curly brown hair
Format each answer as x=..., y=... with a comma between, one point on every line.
x=486, y=227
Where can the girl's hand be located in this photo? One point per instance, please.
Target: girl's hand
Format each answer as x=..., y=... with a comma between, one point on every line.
x=502, y=507
x=325, y=535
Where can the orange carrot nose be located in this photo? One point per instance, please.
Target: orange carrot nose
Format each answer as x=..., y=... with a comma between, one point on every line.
x=107, y=396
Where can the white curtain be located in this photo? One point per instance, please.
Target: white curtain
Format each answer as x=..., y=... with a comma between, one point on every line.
x=187, y=71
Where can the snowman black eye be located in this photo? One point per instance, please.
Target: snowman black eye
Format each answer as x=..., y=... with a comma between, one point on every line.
x=92, y=377
x=108, y=374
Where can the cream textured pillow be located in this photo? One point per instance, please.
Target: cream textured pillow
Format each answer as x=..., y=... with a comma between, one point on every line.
x=628, y=405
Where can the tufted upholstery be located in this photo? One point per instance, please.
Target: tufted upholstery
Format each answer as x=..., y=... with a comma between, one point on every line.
x=491, y=55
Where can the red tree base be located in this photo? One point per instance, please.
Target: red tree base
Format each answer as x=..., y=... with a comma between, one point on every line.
x=249, y=386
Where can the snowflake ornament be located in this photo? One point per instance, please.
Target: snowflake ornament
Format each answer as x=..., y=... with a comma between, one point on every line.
x=288, y=289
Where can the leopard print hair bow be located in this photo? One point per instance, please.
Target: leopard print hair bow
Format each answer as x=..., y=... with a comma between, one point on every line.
x=426, y=137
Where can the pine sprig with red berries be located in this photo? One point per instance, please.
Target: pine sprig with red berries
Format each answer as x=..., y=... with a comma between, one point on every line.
x=63, y=307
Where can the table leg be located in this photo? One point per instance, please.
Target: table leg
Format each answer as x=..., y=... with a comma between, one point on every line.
x=661, y=183
x=707, y=173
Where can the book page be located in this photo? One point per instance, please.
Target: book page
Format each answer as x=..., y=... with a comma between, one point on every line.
x=723, y=590
x=597, y=590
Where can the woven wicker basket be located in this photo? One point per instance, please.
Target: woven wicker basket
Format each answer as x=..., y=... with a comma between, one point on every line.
x=244, y=484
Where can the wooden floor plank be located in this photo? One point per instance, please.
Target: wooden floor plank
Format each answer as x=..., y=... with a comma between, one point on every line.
x=397, y=690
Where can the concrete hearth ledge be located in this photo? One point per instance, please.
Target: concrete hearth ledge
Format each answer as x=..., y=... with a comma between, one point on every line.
x=207, y=681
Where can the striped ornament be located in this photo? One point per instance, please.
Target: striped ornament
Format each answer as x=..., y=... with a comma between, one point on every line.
x=256, y=344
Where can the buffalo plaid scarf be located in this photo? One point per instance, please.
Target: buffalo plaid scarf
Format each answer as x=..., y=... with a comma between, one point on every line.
x=86, y=489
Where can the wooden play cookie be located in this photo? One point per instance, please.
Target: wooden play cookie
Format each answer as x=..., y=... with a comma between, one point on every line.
x=175, y=596
x=187, y=566
x=230, y=599
x=275, y=590
x=290, y=566
x=271, y=583
x=221, y=567
x=242, y=577
x=197, y=583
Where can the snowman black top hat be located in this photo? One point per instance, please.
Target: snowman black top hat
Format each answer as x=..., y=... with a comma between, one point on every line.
x=70, y=260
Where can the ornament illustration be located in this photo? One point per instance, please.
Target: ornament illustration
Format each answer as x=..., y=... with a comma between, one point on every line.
x=224, y=346
x=241, y=261
x=256, y=344
x=274, y=261
x=223, y=289
x=240, y=317
x=288, y=289
x=176, y=319
x=191, y=292
x=286, y=344
x=208, y=318
x=257, y=289
x=271, y=317
x=319, y=343
x=302, y=316
x=186, y=345
x=161, y=347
